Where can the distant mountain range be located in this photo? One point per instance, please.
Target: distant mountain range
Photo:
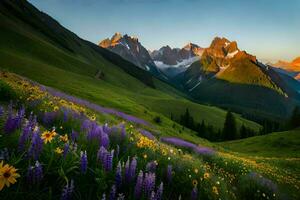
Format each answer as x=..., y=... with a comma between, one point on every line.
x=220, y=74
x=290, y=68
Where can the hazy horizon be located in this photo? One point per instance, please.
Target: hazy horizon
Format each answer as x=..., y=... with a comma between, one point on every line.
x=270, y=30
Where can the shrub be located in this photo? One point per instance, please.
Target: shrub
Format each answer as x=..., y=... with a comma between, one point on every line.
x=157, y=120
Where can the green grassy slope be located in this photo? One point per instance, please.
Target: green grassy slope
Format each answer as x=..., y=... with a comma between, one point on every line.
x=280, y=144
x=49, y=54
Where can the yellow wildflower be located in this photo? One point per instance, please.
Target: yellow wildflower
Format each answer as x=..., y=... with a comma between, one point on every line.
x=8, y=175
x=55, y=108
x=195, y=182
x=145, y=156
x=196, y=171
x=58, y=150
x=64, y=138
x=48, y=136
x=206, y=175
x=215, y=190
x=145, y=142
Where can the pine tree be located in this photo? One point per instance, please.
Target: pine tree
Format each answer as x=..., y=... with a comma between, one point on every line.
x=295, y=118
x=229, y=130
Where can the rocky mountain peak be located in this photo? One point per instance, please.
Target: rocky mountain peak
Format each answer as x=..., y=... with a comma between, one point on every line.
x=130, y=49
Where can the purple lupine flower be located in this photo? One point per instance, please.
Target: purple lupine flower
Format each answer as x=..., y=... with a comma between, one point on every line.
x=123, y=131
x=85, y=126
x=93, y=106
x=149, y=183
x=182, y=143
x=38, y=171
x=194, y=193
x=66, y=150
x=83, y=162
x=106, y=128
x=109, y=161
x=11, y=124
x=118, y=177
x=74, y=136
x=104, y=140
x=147, y=134
x=159, y=191
x=152, y=196
x=49, y=118
x=139, y=185
x=127, y=170
x=151, y=166
x=112, y=194
x=68, y=191
x=1, y=111
x=101, y=155
x=35, y=173
x=264, y=182
x=36, y=145
x=169, y=173
x=20, y=116
x=133, y=165
x=25, y=135
x=65, y=114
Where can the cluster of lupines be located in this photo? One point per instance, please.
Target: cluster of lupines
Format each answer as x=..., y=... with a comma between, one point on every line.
x=151, y=166
x=184, y=144
x=147, y=134
x=263, y=183
x=36, y=145
x=130, y=169
x=35, y=173
x=93, y=106
x=83, y=162
x=106, y=158
x=194, y=194
x=95, y=132
x=27, y=131
x=145, y=186
x=13, y=121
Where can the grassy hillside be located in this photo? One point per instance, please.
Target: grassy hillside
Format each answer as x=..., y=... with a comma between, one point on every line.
x=282, y=144
x=48, y=160
x=35, y=46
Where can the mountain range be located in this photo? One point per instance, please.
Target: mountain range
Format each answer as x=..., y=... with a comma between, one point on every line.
x=223, y=75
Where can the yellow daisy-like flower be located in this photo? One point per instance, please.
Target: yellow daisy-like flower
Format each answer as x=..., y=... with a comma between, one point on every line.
x=195, y=182
x=93, y=118
x=8, y=175
x=56, y=108
x=196, y=171
x=48, y=136
x=215, y=190
x=58, y=150
x=145, y=156
x=64, y=138
x=206, y=175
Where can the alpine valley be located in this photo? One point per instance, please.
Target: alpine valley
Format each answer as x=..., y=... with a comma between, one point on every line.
x=116, y=120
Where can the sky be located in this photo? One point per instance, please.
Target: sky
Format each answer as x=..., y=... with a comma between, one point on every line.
x=269, y=29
